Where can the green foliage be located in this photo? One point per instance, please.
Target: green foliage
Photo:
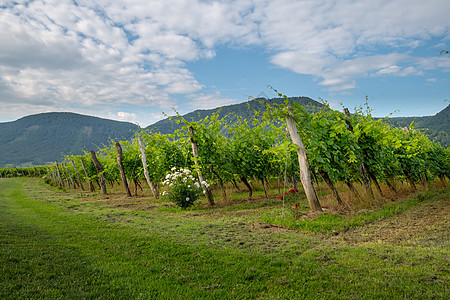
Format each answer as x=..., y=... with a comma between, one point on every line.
x=212, y=143
x=231, y=148
x=330, y=145
x=245, y=111
x=43, y=138
x=250, y=150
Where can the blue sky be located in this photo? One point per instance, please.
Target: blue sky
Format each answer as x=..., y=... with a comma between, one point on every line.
x=132, y=60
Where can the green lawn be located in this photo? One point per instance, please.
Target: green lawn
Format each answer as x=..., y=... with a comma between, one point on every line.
x=56, y=244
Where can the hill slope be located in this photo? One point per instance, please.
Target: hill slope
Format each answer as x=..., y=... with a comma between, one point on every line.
x=436, y=127
x=42, y=138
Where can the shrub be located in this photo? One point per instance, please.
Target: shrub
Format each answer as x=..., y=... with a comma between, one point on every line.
x=289, y=196
x=184, y=189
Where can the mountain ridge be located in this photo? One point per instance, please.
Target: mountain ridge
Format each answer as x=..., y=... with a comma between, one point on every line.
x=42, y=138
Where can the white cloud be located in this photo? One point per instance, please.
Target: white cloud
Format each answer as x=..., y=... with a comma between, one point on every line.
x=207, y=101
x=429, y=63
x=128, y=117
x=399, y=71
x=336, y=40
x=302, y=63
x=62, y=54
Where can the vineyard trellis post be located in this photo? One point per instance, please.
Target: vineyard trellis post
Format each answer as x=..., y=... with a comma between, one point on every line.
x=78, y=174
x=61, y=183
x=152, y=186
x=99, y=168
x=305, y=175
x=121, y=169
x=64, y=175
x=69, y=175
x=207, y=190
x=91, y=186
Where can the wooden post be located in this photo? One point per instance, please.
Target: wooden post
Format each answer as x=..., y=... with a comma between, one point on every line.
x=69, y=175
x=122, y=171
x=91, y=186
x=64, y=175
x=99, y=168
x=305, y=175
x=61, y=183
x=362, y=169
x=78, y=174
x=55, y=177
x=152, y=186
x=206, y=189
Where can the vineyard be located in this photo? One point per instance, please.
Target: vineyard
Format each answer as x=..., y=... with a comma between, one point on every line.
x=289, y=205
x=347, y=153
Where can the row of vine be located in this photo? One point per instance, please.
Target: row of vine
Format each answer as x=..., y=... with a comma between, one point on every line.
x=341, y=147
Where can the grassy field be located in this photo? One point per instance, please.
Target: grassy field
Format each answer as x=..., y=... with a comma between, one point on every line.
x=71, y=245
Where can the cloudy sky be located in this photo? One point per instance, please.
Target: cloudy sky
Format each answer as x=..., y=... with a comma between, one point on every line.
x=133, y=59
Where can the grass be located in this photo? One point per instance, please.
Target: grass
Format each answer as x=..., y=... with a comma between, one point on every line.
x=333, y=223
x=56, y=244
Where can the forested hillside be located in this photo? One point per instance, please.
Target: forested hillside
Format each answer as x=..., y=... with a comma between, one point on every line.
x=42, y=138
x=436, y=127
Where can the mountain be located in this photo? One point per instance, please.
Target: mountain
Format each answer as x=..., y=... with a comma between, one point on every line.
x=42, y=138
x=244, y=110
x=436, y=127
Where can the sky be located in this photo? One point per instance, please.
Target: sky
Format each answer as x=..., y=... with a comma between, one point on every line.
x=132, y=60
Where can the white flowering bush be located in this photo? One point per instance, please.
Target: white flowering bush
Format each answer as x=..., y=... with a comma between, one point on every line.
x=184, y=189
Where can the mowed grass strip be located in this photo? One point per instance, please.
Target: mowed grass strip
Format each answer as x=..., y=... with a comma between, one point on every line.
x=48, y=250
